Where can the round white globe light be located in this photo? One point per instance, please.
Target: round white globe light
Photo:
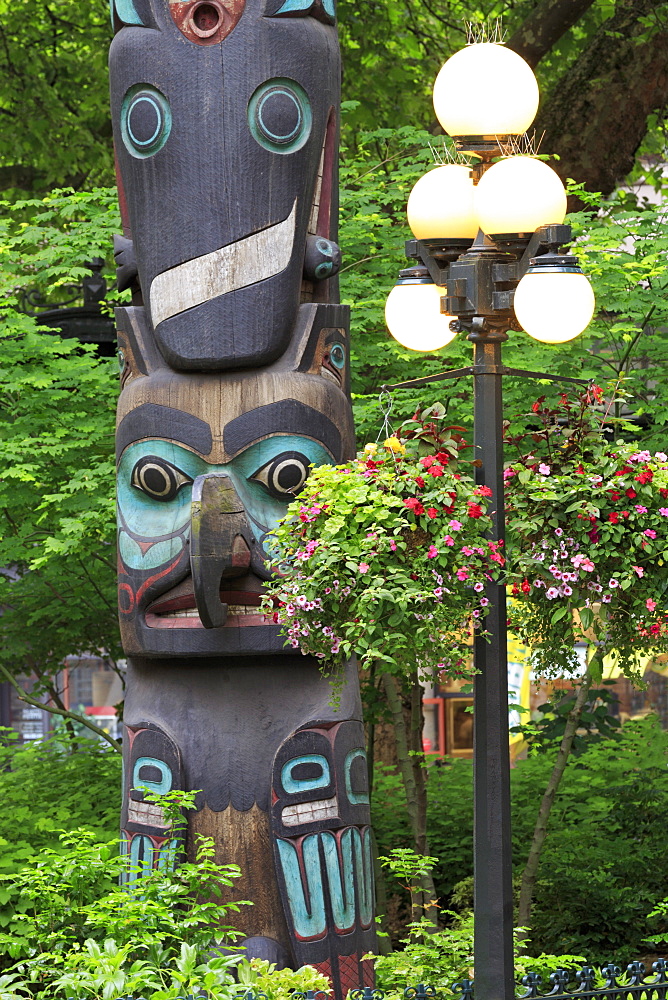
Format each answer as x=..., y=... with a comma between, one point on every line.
x=441, y=204
x=486, y=89
x=519, y=194
x=413, y=315
x=554, y=305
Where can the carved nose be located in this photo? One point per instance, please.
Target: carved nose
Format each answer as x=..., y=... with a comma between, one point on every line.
x=219, y=543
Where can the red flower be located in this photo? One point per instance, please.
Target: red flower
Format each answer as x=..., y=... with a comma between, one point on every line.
x=515, y=592
x=432, y=512
x=475, y=510
x=631, y=493
x=664, y=494
x=646, y=476
x=427, y=461
x=614, y=494
x=482, y=491
x=414, y=504
x=420, y=481
x=435, y=470
x=613, y=518
x=443, y=457
x=625, y=513
x=526, y=586
x=580, y=470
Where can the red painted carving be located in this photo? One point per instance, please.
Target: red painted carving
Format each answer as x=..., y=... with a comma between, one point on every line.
x=206, y=22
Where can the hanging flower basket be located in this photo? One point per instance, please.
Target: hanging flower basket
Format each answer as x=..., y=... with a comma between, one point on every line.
x=590, y=556
x=386, y=557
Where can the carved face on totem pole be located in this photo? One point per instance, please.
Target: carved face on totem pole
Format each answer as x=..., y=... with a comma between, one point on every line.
x=235, y=369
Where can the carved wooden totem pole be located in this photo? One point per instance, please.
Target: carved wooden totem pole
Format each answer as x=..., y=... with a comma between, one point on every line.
x=235, y=380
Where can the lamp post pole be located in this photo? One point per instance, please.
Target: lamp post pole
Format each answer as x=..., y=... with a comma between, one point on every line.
x=492, y=858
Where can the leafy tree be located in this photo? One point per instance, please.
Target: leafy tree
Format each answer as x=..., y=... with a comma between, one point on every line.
x=57, y=403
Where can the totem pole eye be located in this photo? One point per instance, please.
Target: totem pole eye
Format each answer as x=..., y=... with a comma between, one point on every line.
x=157, y=478
x=337, y=356
x=285, y=475
x=279, y=115
x=146, y=120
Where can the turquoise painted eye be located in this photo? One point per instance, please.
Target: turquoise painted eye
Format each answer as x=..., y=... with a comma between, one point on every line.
x=337, y=355
x=146, y=120
x=279, y=115
x=158, y=479
x=285, y=475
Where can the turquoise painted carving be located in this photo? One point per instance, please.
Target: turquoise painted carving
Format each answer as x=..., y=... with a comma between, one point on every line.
x=307, y=904
x=340, y=877
x=298, y=5
x=364, y=873
x=126, y=12
x=155, y=480
x=357, y=798
x=280, y=116
x=146, y=120
x=159, y=787
x=293, y=785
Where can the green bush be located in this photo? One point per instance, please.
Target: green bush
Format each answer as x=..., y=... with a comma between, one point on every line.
x=605, y=862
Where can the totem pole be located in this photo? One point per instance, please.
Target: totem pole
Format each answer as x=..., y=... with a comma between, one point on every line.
x=234, y=381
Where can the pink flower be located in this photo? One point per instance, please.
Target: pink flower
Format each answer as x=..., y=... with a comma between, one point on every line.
x=606, y=598
x=393, y=546
x=438, y=592
x=551, y=593
x=449, y=540
x=508, y=473
x=649, y=533
x=663, y=511
x=566, y=590
x=463, y=573
x=484, y=601
x=454, y=525
x=544, y=469
x=613, y=583
x=478, y=587
x=432, y=552
x=650, y=604
x=363, y=567
x=641, y=510
x=662, y=457
x=639, y=570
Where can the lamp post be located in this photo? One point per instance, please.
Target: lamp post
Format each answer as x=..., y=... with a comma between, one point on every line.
x=488, y=242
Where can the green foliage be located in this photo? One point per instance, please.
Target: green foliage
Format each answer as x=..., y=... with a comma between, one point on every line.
x=261, y=976
x=76, y=932
x=54, y=94
x=595, y=723
x=57, y=402
x=388, y=559
x=605, y=859
x=47, y=786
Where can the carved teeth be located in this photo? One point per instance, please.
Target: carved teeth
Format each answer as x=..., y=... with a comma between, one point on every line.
x=232, y=609
x=310, y=812
x=147, y=813
x=237, y=265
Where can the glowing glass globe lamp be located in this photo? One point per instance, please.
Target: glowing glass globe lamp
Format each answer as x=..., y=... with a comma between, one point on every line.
x=441, y=205
x=486, y=90
x=554, y=302
x=518, y=195
x=413, y=312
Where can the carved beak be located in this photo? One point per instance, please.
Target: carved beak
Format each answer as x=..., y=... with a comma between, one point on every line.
x=219, y=543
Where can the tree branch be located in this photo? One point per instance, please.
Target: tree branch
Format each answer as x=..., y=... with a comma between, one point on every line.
x=84, y=720
x=544, y=27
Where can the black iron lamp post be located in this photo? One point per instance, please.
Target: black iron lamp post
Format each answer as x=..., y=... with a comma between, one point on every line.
x=487, y=260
